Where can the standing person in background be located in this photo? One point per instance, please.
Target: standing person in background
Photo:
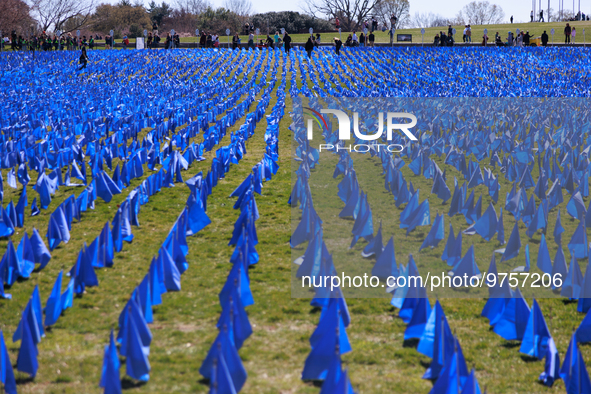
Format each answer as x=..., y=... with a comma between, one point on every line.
x=337, y=23
x=519, y=40
x=544, y=38
x=235, y=39
x=469, y=34
x=91, y=43
x=531, y=16
x=202, y=40
x=209, y=41
x=276, y=38
x=391, y=34
x=511, y=19
x=371, y=39
x=355, y=40
x=362, y=39
x=309, y=47
x=442, y=39
x=83, y=59
x=526, y=38
x=150, y=39
x=317, y=40
x=464, y=38
x=567, y=32
x=287, y=42
x=168, y=42
x=573, y=34
x=125, y=42
x=541, y=16
x=250, y=40
x=450, y=31
x=13, y=40
x=338, y=44
x=269, y=43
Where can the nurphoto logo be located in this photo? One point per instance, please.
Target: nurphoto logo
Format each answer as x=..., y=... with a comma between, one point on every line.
x=345, y=129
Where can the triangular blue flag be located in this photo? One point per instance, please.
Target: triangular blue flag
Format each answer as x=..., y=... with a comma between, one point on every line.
x=27, y=354
x=513, y=245
x=536, y=337
x=110, y=379
x=574, y=371
x=6, y=372
x=53, y=306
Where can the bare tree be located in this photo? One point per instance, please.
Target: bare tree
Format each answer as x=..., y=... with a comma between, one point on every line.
x=15, y=16
x=351, y=13
x=54, y=13
x=399, y=8
x=430, y=19
x=482, y=13
x=241, y=8
x=194, y=7
x=562, y=15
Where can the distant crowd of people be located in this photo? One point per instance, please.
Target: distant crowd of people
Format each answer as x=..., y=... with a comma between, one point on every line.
x=47, y=42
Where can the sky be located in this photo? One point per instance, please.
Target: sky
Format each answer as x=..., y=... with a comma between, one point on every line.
x=519, y=9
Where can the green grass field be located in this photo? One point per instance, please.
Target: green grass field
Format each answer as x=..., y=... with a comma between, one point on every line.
x=535, y=29
x=70, y=357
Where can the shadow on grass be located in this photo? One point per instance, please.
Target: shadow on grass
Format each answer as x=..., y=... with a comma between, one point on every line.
x=315, y=383
x=511, y=344
x=127, y=383
x=315, y=310
x=567, y=301
x=529, y=359
x=425, y=364
x=203, y=381
x=413, y=343
x=23, y=380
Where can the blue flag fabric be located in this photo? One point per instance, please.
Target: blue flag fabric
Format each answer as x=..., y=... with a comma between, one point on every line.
x=467, y=266
x=573, y=283
x=53, y=306
x=559, y=267
x=558, y=230
x=27, y=354
x=57, y=229
x=420, y=316
x=110, y=379
x=578, y=244
x=436, y=324
x=512, y=323
x=137, y=365
x=584, y=303
x=574, y=371
x=386, y=265
x=83, y=273
x=544, y=263
x=223, y=346
x=536, y=336
x=131, y=313
x=513, y=245
x=6, y=371
x=435, y=235
x=583, y=332
x=551, y=365
x=235, y=319
x=501, y=229
x=471, y=385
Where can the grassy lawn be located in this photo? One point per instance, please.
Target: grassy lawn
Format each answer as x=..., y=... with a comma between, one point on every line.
x=535, y=29
x=70, y=356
